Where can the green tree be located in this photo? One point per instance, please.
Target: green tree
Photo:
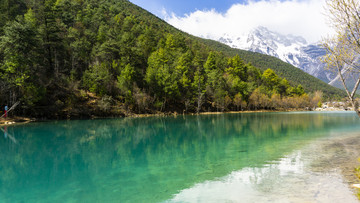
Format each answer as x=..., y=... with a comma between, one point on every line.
x=161, y=77
x=126, y=78
x=9, y=10
x=198, y=84
x=270, y=78
x=236, y=67
x=300, y=90
x=254, y=77
x=147, y=41
x=282, y=87
x=52, y=36
x=126, y=81
x=184, y=72
x=214, y=69
x=21, y=65
x=98, y=79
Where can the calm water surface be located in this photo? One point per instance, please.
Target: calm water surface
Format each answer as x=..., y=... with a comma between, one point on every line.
x=254, y=157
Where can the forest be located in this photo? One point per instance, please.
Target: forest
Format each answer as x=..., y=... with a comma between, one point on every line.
x=82, y=58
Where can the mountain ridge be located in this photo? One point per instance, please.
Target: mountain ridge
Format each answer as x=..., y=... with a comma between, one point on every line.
x=289, y=48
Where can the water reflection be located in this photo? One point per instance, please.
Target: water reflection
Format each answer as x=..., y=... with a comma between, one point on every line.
x=286, y=180
x=7, y=135
x=113, y=160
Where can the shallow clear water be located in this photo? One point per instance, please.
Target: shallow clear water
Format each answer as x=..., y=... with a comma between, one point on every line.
x=209, y=158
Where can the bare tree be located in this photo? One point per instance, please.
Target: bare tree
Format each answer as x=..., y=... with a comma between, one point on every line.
x=343, y=50
x=316, y=99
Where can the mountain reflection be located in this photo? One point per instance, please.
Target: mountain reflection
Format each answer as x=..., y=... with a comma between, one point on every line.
x=115, y=160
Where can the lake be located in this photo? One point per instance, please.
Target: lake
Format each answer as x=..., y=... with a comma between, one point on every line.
x=250, y=157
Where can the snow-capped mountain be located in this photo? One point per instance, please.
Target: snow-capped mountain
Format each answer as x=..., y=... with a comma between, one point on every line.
x=291, y=49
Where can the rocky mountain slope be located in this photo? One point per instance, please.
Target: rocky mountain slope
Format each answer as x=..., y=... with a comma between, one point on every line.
x=291, y=49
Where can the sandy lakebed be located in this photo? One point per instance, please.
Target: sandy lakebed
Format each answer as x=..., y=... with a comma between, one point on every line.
x=340, y=153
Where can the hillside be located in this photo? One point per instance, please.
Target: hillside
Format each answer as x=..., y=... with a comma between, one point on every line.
x=293, y=74
x=98, y=58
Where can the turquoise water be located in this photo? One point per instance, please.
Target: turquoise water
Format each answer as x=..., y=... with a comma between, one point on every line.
x=151, y=159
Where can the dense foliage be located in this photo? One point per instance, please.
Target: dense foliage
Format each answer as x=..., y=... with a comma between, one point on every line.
x=286, y=70
x=66, y=57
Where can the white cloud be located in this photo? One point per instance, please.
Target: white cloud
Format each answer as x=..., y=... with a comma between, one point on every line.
x=299, y=18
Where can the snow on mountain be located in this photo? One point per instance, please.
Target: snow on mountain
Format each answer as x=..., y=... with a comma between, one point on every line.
x=291, y=49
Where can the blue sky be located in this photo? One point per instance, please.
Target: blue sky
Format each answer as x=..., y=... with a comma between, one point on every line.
x=213, y=19
x=181, y=7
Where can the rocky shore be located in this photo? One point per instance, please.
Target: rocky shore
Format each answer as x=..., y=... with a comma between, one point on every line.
x=335, y=106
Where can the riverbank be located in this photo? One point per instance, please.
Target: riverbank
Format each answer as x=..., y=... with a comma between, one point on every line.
x=21, y=120
x=15, y=120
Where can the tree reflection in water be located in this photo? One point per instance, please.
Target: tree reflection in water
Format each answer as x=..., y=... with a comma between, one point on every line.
x=116, y=159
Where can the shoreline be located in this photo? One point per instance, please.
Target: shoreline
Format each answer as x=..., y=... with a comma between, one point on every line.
x=23, y=120
x=15, y=121
x=211, y=112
